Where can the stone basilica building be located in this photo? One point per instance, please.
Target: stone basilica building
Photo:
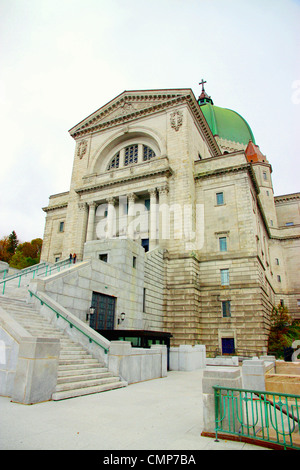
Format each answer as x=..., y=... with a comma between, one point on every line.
x=172, y=216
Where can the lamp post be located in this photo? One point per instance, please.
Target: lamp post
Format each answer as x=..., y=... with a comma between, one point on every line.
x=90, y=312
x=122, y=318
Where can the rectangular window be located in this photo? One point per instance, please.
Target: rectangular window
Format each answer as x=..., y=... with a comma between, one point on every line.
x=134, y=262
x=226, y=310
x=147, y=204
x=265, y=176
x=223, y=243
x=277, y=261
x=278, y=278
x=103, y=257
x=145, y=244
x=61, y=226
x=224, y=277
x=220, y=199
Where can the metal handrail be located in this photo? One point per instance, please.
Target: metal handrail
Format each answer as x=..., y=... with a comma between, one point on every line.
x=4, y=271
x=259, y=415
x=25, y=271
x=34, y=269
x=68, y=321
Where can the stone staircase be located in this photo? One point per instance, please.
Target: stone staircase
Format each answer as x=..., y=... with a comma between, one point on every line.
x=78, y=372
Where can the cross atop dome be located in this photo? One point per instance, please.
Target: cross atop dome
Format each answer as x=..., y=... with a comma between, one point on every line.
x=204, y=98
x=202, y=83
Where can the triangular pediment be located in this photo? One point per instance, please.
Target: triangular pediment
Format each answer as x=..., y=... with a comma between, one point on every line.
x=128, y=105
x=132, y=105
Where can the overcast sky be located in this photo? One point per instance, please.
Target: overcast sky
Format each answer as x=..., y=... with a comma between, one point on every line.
x=61, y=60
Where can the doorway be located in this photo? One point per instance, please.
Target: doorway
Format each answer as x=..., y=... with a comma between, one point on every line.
x=104, y=316
x=228, y=346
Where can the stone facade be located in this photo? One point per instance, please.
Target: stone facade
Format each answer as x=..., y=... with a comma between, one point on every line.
x=220, y=250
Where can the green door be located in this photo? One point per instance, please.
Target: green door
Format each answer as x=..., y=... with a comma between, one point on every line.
x=104, y=316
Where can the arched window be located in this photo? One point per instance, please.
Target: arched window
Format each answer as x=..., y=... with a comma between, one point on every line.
x=130, y=155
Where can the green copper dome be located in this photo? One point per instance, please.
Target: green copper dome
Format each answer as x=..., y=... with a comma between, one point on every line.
x=227, y=124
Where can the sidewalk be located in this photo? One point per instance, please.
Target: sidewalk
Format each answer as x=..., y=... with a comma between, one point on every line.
x=161, y=414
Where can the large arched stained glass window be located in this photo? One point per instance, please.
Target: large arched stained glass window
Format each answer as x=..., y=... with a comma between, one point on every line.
x=131, y=155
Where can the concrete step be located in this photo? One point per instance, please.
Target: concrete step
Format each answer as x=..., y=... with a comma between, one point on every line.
x=74, y=361
x=62, y=395
x=77, y=367
x=90, y=382
x=85, y=377
x=65, y=373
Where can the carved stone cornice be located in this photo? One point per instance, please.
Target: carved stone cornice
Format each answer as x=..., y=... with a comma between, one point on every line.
x=131, y=178
x=232, y=169
x=287, y=198
x=56, y=207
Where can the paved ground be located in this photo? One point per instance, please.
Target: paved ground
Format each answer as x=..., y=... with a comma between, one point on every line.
x=161, y=414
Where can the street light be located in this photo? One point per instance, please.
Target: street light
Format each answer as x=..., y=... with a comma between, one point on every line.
x=122, y=318
x=91, y=312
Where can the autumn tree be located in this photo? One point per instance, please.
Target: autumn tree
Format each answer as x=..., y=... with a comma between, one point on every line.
x=8, y=246
x=27, y=254
x=283, y=331
x=20, y=255
x=4, y=254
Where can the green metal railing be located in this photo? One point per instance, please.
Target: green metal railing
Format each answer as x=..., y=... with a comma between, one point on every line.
x=42, y=269
x=91, y=340
x=258, y=415
x=3, y=272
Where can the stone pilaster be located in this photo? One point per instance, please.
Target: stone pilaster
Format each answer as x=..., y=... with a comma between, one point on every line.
x=131, y=215
x=164, y=213
x=153, y=219
x=111, y=218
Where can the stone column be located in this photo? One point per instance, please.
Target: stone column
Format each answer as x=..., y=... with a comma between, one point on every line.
x=111, y=218
x=82, y=227
x=91, y=221
x=153, y=219
x=131, y=214
x=164, y=216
